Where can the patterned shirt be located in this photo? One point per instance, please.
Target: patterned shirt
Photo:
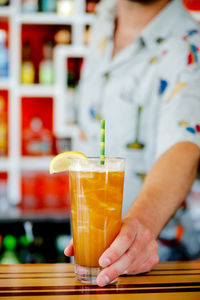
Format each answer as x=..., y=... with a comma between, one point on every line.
x=149, y=96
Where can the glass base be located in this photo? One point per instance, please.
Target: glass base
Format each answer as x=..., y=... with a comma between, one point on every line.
x=88, y=274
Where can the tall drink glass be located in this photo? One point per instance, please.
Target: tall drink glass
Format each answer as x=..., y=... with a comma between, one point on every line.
x=96, y=207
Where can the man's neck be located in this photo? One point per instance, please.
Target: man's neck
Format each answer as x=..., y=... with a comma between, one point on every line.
x=132, y=18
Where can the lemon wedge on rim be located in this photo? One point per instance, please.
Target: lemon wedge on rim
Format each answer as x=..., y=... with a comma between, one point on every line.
x=62, y=161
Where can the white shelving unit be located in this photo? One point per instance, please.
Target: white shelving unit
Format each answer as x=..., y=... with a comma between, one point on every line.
x=14, y=164
x=36, y=90
x=53, y=18
x=6, y=11
x=4, y=163
x=62, y=95
x=35, y=163
x=5, y=84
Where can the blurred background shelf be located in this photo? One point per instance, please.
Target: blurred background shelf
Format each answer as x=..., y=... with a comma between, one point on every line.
x=45, y=18
x=37, y=90
x=35, y=163
x=16, y=215
x=4, y=164
x=6, y=11
x=54, y=18
x=5, y=84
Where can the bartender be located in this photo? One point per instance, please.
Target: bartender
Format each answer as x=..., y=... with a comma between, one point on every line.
x=142, y=76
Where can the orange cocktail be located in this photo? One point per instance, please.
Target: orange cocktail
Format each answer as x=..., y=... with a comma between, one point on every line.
x=96, y=208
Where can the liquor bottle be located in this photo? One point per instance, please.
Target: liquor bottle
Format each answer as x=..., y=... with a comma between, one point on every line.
x=46, y=72
x=9, y=255
x=4, y=2
x=37, y=140
x=27, y=68
x=87, y=35
x=65, y=7
x=91, y=6
x=3, y=127
x=62, y=37
x=26, y=241
x=30, y=251
x=3, y=55
x=48, y=5
x=30, y=6
x=74, y=70
x=24, y=253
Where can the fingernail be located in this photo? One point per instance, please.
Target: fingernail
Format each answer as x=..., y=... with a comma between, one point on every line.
x=104, y=280
x=105, y=262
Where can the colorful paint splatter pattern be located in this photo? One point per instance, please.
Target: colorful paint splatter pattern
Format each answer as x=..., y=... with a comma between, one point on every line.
x=189, y=127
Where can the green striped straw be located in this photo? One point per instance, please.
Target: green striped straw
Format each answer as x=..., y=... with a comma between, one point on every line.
x=102, y=154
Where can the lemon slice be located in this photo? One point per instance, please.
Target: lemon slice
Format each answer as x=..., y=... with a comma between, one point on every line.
x=62, y=161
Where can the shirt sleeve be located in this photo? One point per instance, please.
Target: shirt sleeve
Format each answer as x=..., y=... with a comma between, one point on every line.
x=179, y=119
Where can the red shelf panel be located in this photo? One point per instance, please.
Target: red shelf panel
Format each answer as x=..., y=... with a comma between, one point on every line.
x=45, y=193
x=37, y=126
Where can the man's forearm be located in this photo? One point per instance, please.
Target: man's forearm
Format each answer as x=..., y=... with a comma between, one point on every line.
x=166, y=186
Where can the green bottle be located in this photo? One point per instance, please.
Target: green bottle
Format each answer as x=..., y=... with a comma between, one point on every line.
x=9, y=255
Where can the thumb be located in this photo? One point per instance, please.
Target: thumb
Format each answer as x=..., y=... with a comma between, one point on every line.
x=69, y=250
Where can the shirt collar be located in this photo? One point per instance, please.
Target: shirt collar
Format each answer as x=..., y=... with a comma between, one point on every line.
x=107, y=11
x=162, y=25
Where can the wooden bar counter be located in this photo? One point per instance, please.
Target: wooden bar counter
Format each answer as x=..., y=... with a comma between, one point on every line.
x=170, y=280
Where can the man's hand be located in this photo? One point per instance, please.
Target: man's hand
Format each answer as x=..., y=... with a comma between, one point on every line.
x=133, y=251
